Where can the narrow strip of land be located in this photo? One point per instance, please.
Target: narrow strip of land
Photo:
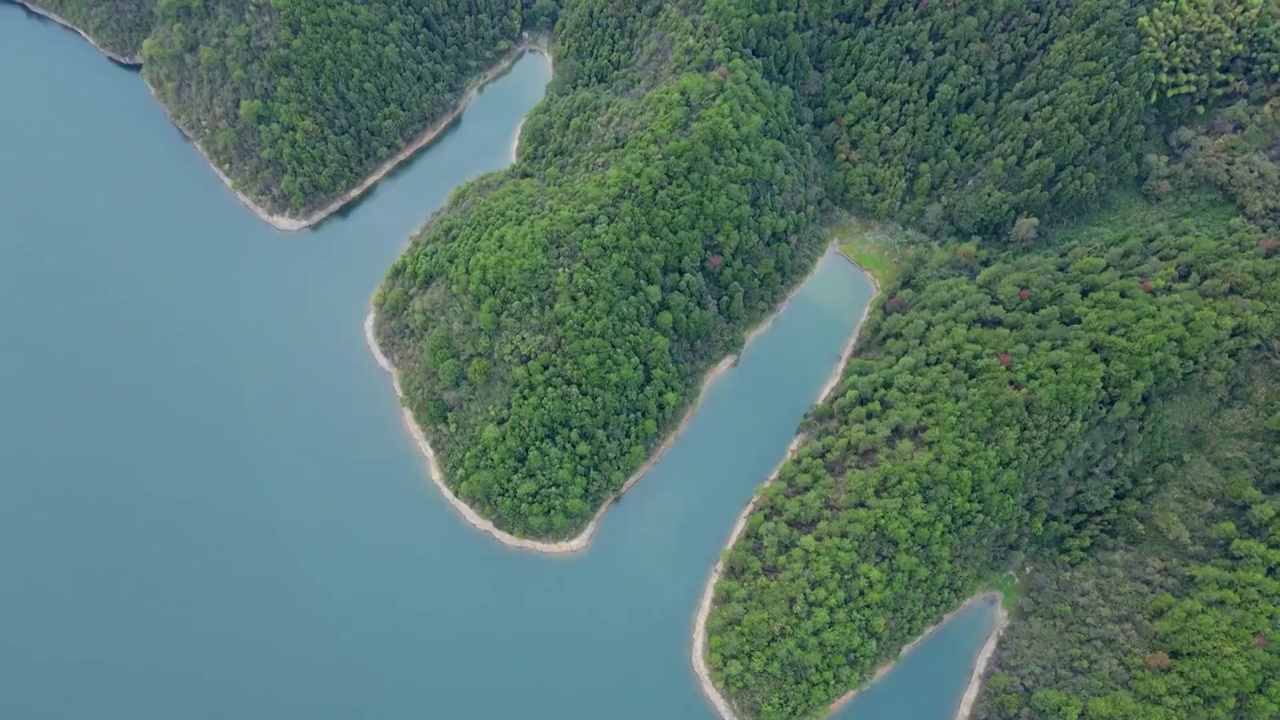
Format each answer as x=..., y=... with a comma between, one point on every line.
x=574, y=544
x=980, y=662
x=580, y=541
x=721, y=703
x=967, y=701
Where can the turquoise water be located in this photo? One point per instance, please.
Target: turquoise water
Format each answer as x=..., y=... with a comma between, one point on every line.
x=208, y=506
x=930, y=680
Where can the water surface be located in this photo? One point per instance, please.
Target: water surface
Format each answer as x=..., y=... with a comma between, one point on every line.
x=928, y=683
x=208, y=506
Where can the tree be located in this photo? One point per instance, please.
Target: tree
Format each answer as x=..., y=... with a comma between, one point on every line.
x=1024, y=231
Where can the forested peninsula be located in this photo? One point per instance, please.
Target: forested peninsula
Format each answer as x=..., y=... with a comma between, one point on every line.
x=301, y=106
x=1071, y=373
x=553, y=322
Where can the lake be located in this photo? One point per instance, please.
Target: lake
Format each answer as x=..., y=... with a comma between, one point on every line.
x=209, y=507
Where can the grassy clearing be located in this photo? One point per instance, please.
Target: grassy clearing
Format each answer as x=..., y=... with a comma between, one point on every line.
x=881, y=249
x=1009, y=585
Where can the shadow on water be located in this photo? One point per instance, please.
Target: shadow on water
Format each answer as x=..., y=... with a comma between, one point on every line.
x=350, y=209
x=33, y=15
x=941, y=663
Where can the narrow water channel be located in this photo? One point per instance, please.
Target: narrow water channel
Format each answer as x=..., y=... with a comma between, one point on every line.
x=928, y=682
x=208, y=506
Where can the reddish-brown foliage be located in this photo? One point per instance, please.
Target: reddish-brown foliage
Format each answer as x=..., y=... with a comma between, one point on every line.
x=894, y=304
x=1147, y=286
x=1158, y=660
x=1005, y=359
x=716, y=260
x=1260, y=640
x=1269, y=246
x=1024, y=294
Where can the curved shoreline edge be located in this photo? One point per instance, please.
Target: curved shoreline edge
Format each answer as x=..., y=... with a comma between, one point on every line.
x=129, y=62
x=515, y=142
x=965, y=707
x=575, y=544
x=719, y=701
x=582, y=540
x=289, y=223
x=970, y=697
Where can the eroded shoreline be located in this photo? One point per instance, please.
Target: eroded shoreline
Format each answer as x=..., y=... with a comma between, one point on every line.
x=968, y=699
x=580, y=541
x=131, y=62
x=575, y=544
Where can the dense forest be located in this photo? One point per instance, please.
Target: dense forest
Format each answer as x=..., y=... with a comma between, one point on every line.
x=1173, y=617
x=552, y=323
x=1011, y=405
x=1168, y=612
x=960, y=116
x=297, y=101
x=543, y=402
x=980, y=416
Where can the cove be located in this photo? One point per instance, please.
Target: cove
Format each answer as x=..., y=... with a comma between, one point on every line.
x=208, y=505
x=924, y=684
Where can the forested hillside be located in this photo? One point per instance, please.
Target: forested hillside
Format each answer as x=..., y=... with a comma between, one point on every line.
x=552, y=323
x=1169, y=612
x=1174, y=618
x=614, y=138
x=119, y=26
x=961, y=116
x=979, y=415
x=1007, y=404
x=298, y=100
